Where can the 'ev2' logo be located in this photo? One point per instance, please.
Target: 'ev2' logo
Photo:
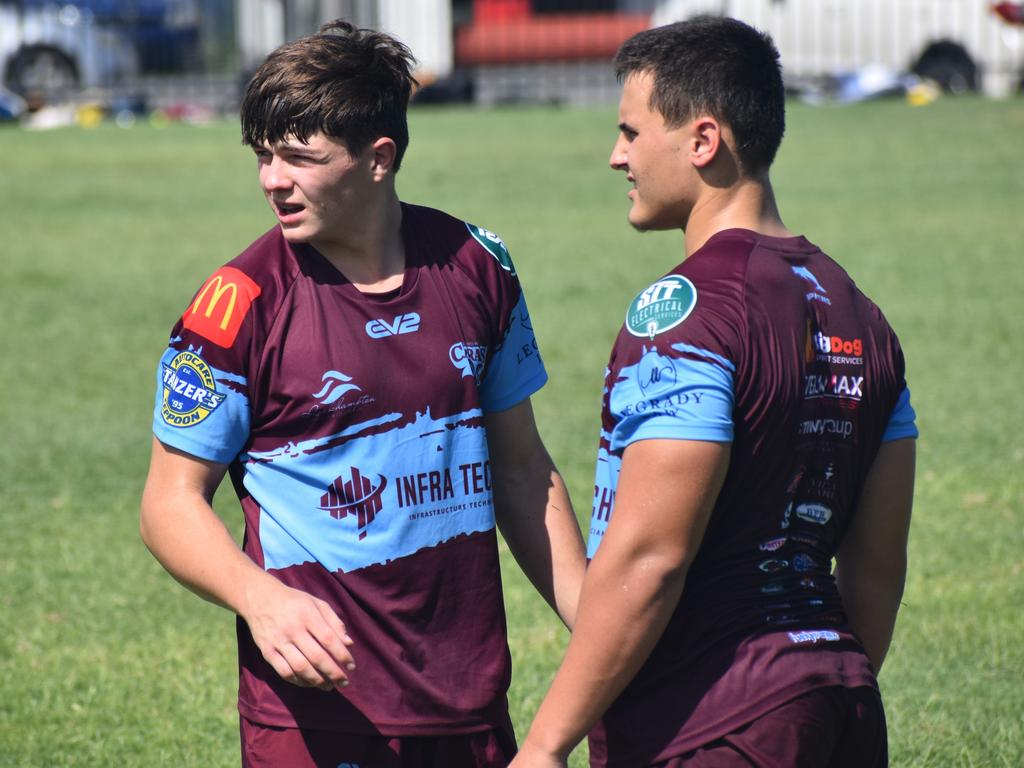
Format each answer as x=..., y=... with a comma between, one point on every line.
x=381, y=328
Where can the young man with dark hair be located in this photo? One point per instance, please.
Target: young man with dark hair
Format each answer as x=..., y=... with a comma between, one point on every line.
x=756, y=425
x=363, y=372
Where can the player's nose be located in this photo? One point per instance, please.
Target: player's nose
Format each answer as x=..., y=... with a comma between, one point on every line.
x=618, y=158
x=274, y=175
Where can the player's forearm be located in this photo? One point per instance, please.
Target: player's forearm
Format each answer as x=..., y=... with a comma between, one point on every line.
x=536, y=518
x=190, y=541
x=871, y=594
x=627, y=600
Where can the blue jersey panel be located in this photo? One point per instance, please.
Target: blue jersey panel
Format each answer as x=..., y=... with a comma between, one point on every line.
x=399, y=491
x=516, y=370
x=672, y=397
x=903, y=422
x=606, y=480
x=200, y=409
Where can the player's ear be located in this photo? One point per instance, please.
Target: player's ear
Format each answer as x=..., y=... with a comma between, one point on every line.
x=384, y=153
x=704, y=140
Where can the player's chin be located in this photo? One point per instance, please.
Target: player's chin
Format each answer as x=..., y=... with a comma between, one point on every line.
x=294, y=233
x=643, y=223
x=646, y=219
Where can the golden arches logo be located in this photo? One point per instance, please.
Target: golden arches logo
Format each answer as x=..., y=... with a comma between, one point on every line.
x=219, y=288
x=221, y=305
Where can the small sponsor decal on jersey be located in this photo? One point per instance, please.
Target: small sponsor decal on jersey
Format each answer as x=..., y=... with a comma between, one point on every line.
x=221, y=305
x=818, y=514
x=190, y=391
x=813, y=636
x=803, y=562
x=354, y=494
x=468, y=358
x=835, y=386
x=335, y=386
x=661, y=306
x=772, y=544
x=837, y=345
x=655, y=373
x=818, y=293
x=773, y=566
x=401, y=324
x=494, y=245
x=838, y=427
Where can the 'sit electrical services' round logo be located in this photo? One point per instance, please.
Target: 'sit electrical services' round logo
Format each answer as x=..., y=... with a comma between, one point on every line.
x=190, y=391
x=661, y=306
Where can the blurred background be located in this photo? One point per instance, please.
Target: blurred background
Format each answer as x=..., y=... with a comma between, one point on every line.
x=86, y=60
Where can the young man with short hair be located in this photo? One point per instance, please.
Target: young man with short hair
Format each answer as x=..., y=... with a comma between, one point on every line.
x=756, y=424
x=363, y=372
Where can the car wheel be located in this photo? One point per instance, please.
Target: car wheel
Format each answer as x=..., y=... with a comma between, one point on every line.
x=948, y=64
x=42, y=73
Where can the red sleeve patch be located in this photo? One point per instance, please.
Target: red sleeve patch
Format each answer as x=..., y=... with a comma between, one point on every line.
x=221, y=305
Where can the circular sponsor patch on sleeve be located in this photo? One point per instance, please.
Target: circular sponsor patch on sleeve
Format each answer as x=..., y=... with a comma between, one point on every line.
x=661, y=306
x=190, y=391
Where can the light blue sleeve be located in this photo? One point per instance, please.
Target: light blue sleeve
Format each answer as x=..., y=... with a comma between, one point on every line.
x=199, y=409
x=903, y=422
x=515, y=370
x=673, y=397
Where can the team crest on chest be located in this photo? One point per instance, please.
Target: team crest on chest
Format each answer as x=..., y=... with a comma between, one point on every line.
x=661, y=306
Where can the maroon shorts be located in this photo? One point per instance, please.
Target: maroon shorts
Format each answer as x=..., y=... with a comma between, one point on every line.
x=826, y=728
x=267, y=746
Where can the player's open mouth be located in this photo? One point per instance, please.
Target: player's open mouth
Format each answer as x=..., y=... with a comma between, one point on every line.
x=288, y=213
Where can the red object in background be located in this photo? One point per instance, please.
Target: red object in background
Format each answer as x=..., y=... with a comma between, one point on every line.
x=500, y=10
x=555, y=37
x=1011, y=13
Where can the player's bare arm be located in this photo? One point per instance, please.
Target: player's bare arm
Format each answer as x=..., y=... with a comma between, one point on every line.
x=298, y=634
x=871, y=564
x=533, y=509
x=667, y=489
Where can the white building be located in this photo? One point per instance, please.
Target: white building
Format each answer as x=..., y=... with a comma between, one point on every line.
x=424, y=25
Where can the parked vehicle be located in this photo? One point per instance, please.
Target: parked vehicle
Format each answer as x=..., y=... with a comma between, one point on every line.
x=164, y=33
x=47, y=51
x=961, y=44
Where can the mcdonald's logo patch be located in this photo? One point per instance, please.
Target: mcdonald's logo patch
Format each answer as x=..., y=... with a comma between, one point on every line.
x=221, y=305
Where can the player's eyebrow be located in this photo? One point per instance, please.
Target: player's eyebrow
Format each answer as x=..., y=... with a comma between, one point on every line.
x=626, y=128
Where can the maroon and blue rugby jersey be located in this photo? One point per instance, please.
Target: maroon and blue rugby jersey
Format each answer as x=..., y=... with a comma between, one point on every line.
x=768, y=344
x=353, y=429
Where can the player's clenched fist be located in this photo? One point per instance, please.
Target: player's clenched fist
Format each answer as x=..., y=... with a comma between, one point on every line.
x=300, y=636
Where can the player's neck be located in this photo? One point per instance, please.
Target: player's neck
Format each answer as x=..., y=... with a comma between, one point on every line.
x=370, y=252
x=748, y=204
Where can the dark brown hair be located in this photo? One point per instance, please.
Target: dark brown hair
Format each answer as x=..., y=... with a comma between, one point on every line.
x=350, y=84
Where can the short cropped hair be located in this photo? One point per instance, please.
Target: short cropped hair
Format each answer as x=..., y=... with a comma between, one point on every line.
x=351, y=84
x=719, y=66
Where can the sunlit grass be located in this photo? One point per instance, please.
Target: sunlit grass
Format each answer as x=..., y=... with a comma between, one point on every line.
x=104, y=235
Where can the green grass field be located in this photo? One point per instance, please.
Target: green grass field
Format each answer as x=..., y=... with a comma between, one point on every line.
x=105, y=234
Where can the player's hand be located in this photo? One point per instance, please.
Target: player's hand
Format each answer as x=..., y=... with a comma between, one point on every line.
x=533, y=757
x=300, y=636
